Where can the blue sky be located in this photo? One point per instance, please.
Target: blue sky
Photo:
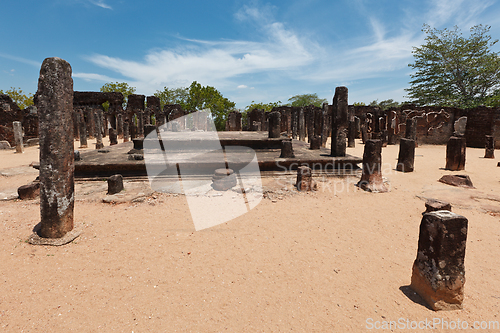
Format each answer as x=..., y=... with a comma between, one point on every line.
x=249, y=50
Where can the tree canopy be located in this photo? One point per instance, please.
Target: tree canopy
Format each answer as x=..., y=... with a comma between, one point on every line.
x=19, y=97
x=385, y=104
x=453, y=70
x=267, y=107
x=121, y=87
x=173, y=96
x=306, y=99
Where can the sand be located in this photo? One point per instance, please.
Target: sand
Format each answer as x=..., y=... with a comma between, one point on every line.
x=335, y=260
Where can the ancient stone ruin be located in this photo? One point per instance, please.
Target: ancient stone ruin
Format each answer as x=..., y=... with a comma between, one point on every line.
x=438, y=271
x=371, y=178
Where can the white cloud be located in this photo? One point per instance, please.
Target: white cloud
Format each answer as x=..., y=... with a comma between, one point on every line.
x=94, y=77
x=242, y=86
x=100, y=3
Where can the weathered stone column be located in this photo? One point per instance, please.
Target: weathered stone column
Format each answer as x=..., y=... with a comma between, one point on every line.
x=406, y=158
x=140, y=123
x=455, y=154
x=490, y=147
x=113, y=137
x=411, y=129
x=339, y=121
x=82, y=131
x=274, y=124
x=325, y=125
x=115, y=184
x=315, y=143
x=371, y=179
x=304, y=179
x=256, y=126
x=119, y=126
x=18, y=135
x=438, y=271
x=54, y=100
x=351, y=135
x=302, y=125
x=98, y=129
x=126, y=137
x=287, y=149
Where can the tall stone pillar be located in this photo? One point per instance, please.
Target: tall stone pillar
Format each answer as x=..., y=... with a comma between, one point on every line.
x=455, y=154
x=438, y=271
x=18, y=135
x=82, y=131
x=302, y=125
x=274, y=124
x=339, y=121
x=490, y=147
x=98, y=129
x=326, y=125
x=411, y=129
x=54, y=100
x=140, y=123
x=351, y=134
x=406, y=156
x=119, y=125
x=126, y=131
x=371, y=178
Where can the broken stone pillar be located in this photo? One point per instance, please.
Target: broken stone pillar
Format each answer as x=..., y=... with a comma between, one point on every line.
x=98, y=129
x=371, y=178
x=339, y=122
x=315, y=143
x=126, y=137
x=438, y=272
x=351, y=135
x=304, y=179
x=490, y=147
x=148, y=129
x=54, y=100
x=18, y=136
x=113, y=137
x=115, y=184
x=274, y=124
x=29, y=191
x=455, y=154
x=406, y=158
x=287, y=149
x=302, y=125
x=83, y=132
x=224, y=179
x=411, y=129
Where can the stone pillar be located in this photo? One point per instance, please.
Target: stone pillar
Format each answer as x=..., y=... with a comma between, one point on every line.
x=351, y=135
x=119, y=125
x=126, y=137
x=304, y=179
x=315, y=143
x=140, y=123
x=287, y=149
x=339, y=122
x=115, y=184
x=411, y=129
x=325, y=125
x=18, y=135
x=83, y=131
x=438, y=272
x=371, y=179
x=432, y=205
x=357, y=126
x=391, y=127
x=113, y=137
x=55, y=108
x=274, y=124
x=256, y=126
x=455, y=154
x=302, y=125
x=98, y=129
x=364, y=134
x=406, y=158
x=148, y=129
x=490, y=147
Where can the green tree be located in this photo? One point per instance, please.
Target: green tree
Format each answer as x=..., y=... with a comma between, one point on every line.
x=306, y=99
x=267, y=107
x=173, y=96
x=385, y=104
x=19, y=97
x=121, y=87
x=359, y=104
x=201, y=97
x=453, y=70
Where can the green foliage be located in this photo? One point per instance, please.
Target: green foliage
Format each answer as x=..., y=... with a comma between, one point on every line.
x=22, y=100
x=173, y=96
x=267, y=107
x=306, y=99
x=452, y=70
x=121, y=87
x=200, y=97
x=358, y=104
x=385, y=104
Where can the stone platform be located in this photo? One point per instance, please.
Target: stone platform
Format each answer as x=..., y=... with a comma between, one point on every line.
x=115, y=159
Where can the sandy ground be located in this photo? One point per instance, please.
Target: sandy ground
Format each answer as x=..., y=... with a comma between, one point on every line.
x=336, y=260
